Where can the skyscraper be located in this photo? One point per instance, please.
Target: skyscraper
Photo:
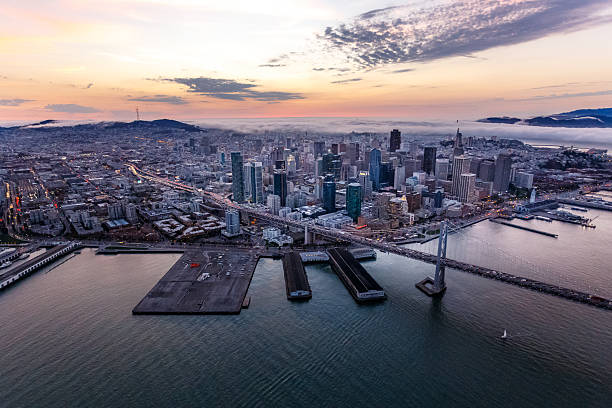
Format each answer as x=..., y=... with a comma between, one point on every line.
x=274, y=204
x=366, y=184
x=467, y=182
x=375, y=160
x=503, y=166
x=458, y=145
x=395, y=140
x=399, y=177
x=232, y=222
x=257, y=195
x=461, y=165
x=353, y=200
x=429, y=160
x=318, y=148
x=442, y=166
x=237, y=179
x=280, y=185
x=329, y=196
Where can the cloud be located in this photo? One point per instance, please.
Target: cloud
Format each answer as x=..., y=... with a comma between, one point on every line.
x=573, y=95
x=71, y=108
x=272, y=65
x=401, y=71
x=231, y=90
x=13, y=102
x=345, y=81
x=407, y=34
x=89, y=85
x=173, y=100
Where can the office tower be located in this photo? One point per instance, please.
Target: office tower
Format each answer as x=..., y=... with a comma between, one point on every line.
x=438, y=198
x=399, y=178
x=375, y=161
x=277, y=154
x=366, y=184
x=503, y=166
x=246, y=182
x=523, y=180
x=353, y=152
x=280, y=165
x=395, y=140
x=222, y=158
x=329, y=196
x=429, y=160
x=318, y=149
x=442, y=166
x=336, y=168
x=232, y=222
x=467, y=182
x=274, y=204
x=458, y=144
x=475, y=165
x=353, y=200
x=328, y=158
x=413, y=201
x=486, y=170
x=280, y=185
x=319, y=167
x=334, y=148
x=318, y=188
x=237, y=179
x=461, y=165
x=413, y=148
x=386, y=174
x=257, y=195
x=291, y=165
x=289, y=143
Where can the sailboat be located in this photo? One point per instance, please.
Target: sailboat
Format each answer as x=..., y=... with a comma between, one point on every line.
x=505, y=335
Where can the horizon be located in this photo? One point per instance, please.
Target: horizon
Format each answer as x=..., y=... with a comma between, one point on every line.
x=424, y=61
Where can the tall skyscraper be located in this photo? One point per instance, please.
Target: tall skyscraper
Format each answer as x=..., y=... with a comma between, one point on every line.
x=366, y=184
x=442, y=167
x=486, y=170
x=429, y=160
x=467, y=182
x=458, y=145
x=503, y=167
x=461, y=165
x=274, y=204
x=329, y=196
x=280, y=185
x=232, y=222
x=395, y=140
x=257, y=195
x=237, y=178
x=353, y=200
x=399, y=177
x=375, y=161
x=318, y=149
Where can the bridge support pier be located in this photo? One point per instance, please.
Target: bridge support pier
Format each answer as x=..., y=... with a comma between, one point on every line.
x=436, y=286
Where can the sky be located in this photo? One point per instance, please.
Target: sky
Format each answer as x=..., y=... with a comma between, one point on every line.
x=192, y=59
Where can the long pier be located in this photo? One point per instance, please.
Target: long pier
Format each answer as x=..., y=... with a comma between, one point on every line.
x=32, y=265
x=296, y=281
x=357, y=280
x=509, y=224
x=588, y=204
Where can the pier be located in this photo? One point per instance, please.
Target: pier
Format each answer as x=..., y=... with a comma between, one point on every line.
x=548, y=234
x=16, y=273
x=357, y=280
x=203, y=281
x=588, y=204
x=296, y=281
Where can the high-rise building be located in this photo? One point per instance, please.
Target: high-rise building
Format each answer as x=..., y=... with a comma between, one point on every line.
x=458, y=145
x=274, y=204
x=329, y=196
x=503, y=167
x=318, y=149
x=237, y=179
x=461, y=165
x=467, y=182
x=486, y=170
x=366, y=184
x=399, y=178
x=353, y=200
x=280, y=185
x=257, y=195
x=429, y=160
x=375, y=161
x=523, y=180
x=247, y=182
x=395, y=140
x=232, y=222
x=442, y=166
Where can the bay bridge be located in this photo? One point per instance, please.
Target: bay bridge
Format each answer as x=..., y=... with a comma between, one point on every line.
x=440, y=260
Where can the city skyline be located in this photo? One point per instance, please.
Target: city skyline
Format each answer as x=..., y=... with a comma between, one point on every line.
x=182, y=59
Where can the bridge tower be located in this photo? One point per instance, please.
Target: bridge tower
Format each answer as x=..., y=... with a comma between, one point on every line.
x=436, y=286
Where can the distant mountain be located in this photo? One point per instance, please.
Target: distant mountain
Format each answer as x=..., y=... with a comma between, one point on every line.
x=159, y=125
x=502, y=119
x=581, y=118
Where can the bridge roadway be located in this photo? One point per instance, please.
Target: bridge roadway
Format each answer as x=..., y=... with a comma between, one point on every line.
x=520, y=281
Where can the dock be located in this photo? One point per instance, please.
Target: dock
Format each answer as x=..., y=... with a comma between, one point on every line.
x=203, y=281
x=296, y=280
x=32, y=265
x=357, y=280
x=548, y=234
